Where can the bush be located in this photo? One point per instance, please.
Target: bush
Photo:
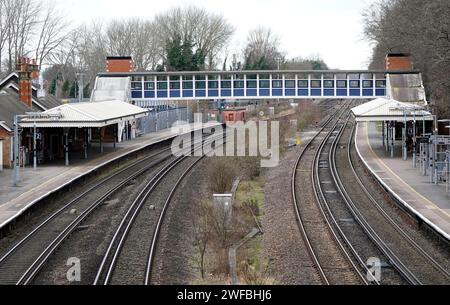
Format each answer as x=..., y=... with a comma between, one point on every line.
x=221, y=174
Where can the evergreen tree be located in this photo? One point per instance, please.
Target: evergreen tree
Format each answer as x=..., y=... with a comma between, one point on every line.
x=87, y=91
x=66, y=88
x=73, y=90
x=52, y=88
x=182, y=57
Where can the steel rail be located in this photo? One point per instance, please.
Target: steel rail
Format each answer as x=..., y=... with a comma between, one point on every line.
x=156, y=234
x=22, y=243
x=43, y=257
x=302, y=228
x=326, y=204
x=391, y=221
x=382, y=246
x=111, y=256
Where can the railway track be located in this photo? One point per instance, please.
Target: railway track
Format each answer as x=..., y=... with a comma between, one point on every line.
x=335, y=203
x=131, y=253
x=329, y=255
x=410, y=260
x=25, y=259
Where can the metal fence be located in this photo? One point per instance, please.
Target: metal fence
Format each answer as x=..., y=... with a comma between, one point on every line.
x=447, y=165
x=160, y=120
x=433, y=160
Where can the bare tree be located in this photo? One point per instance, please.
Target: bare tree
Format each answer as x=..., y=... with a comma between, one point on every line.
x=52, y=32
x=21, y=16
x=29, y=28
x=91, y=50
x=262, y=50
x=421, y=28
x=220, y=222
x=208, y=33
x=221, y=175
x=133, y=37
x=202, y=234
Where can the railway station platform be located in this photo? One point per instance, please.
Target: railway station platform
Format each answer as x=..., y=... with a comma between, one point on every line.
x=429, y=202
x=37, y=184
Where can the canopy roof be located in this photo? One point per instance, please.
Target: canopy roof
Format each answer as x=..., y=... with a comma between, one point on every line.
x=91, y=114
x=383, y=109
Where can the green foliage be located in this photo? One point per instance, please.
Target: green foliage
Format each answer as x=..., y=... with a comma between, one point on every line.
x=52, y=89
x=253, y=62
x=312, y=63
x=87, y=91
x=66, y=88
x=73, y=90
x=182, y=57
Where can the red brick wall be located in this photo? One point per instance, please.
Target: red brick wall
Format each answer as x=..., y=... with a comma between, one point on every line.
x=119, y=65
x=25, y=91
x=399, y=63
x=6, y=136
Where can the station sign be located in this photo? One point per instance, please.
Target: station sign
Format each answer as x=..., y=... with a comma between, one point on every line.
x=425, y=140
x=443, y=140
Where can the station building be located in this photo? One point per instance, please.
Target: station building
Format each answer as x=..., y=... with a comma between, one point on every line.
x=406, y=125
x=50, y=130
x=11, y=104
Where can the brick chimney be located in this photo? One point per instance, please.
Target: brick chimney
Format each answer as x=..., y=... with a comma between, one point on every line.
x=119, y=64
x=26, y=69
x=399, y=62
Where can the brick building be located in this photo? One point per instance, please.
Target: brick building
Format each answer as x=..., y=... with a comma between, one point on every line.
x=11, y=105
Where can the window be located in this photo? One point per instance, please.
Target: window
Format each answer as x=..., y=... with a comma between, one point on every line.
x=188, y=85
x=367, y=84
x=303, y=84
x=252, y=84
x=213, y=85
x=354, y=84
x=238, y=84
x=381, y=84
x=290, y=84
x=175, y=85
x=226, y=84
x=149, y=86
x=328, y=84
x=341, y=84
x=277, y=84
x=264, y=84
x=162, y=85
x=136, y=86
x=316, y=84
x=200, y=85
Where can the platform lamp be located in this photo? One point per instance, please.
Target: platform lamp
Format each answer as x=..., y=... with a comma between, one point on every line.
x=434, y=176
x=32, y=117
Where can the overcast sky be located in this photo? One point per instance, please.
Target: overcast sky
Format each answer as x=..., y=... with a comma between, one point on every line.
x=329, y=28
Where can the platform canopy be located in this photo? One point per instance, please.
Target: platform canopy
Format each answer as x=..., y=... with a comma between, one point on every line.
x=82, y=115
x=383, y=109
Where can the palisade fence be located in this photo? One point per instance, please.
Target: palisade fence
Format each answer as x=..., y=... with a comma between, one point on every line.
x=164, y=119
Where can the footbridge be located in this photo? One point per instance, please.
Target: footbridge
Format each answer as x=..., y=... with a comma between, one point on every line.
x=149, y=87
